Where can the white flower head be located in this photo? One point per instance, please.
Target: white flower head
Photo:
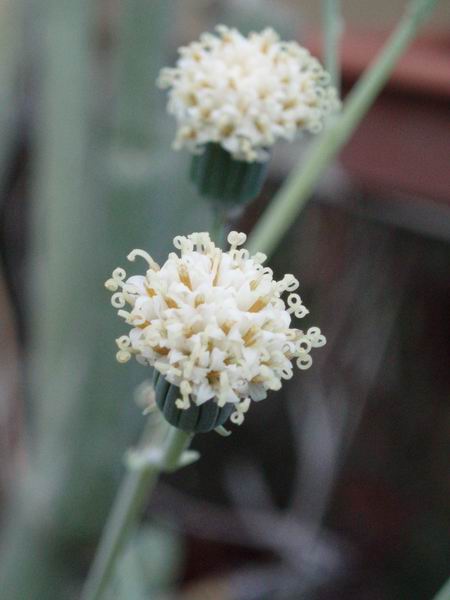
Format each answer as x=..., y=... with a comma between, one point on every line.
x=213, y=323
x=245, y=93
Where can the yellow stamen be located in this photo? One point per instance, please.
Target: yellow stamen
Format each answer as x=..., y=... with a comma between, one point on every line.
x=250, y=336
x=160, y=350
x=200, y=299
x=215, y=267
x=259, y=304
x=184, y=276
x=171, y=302
x=225, y=327
x=213, y=376
x=205, y=112
x=290, y=103
x=227, y=130
x=191, y=99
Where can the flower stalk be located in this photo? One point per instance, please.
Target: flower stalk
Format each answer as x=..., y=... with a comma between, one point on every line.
x=300, y=184
x=130, y=501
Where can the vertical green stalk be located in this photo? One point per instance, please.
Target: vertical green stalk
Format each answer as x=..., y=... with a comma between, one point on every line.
x=332, y=24
x=300, y=184
x=219, y=226
x=132, y=496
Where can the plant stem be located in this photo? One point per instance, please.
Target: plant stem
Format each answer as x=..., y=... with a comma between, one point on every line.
x=126, y=511
x=295, y=192
x=332, y=24
x=444, y=592
x=218, y=229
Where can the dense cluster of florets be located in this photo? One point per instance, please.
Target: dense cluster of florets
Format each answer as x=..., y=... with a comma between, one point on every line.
x=245, y=93
x=213, y=323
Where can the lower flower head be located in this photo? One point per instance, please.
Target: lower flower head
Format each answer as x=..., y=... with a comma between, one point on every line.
x=213, y=323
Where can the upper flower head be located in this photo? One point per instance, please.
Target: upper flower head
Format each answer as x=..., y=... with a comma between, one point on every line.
x=213, y=323
x=246, y=92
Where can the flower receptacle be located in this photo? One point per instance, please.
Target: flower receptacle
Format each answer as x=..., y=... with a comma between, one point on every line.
x=195, y=419
x=220, y=177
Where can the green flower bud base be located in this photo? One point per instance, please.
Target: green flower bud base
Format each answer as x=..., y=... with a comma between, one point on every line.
x=195, y=419
x=220, y=177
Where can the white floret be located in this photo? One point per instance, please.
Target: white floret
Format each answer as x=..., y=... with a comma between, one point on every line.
x=214, y=323
x=245, y=93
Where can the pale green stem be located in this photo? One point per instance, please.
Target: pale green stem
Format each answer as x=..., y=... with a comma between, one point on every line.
x=300, y=184
x=129, y=503
x=218, y=230
x=444, y=592
x=332, y=24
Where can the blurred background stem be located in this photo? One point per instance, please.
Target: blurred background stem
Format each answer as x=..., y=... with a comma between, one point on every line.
x=300, y=184
x=332, y=25
x=31, y=562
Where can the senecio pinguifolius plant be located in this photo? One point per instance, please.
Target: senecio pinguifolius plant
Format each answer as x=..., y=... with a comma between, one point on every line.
x=215, y=327
x=235, y=96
